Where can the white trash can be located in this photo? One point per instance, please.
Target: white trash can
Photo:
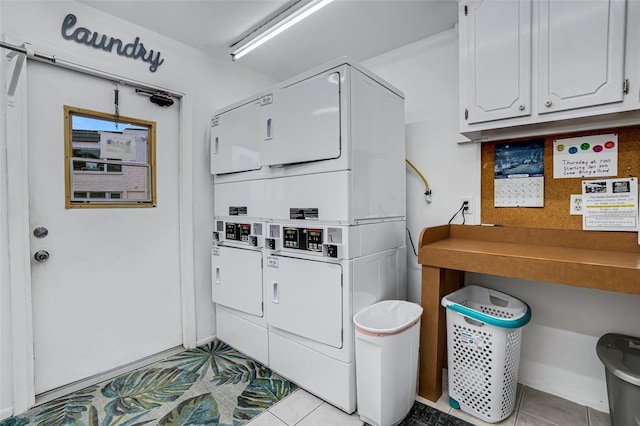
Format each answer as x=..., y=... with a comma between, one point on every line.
x=387, y=341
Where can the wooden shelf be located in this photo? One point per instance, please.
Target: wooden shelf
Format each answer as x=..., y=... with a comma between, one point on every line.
x=599, y=260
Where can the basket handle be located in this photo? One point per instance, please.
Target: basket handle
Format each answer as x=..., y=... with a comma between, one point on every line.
x=498, y=301
x=498, y=322
x=472, y=321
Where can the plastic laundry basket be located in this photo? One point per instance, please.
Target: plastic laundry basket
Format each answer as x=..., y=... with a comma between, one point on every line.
x=483, y=342
x=387, y=340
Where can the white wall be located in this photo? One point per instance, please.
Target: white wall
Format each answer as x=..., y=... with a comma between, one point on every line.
x=427, y=72
x=558, y=350
x=208, y=83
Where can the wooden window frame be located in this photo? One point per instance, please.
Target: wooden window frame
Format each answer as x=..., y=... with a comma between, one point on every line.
x=69, y=112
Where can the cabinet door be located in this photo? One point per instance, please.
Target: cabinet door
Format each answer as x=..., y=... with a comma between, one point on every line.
x=305, y=298
x=581, y=53
x=235, y=140
x=495, y=59
x=237, y=279
x=303, y=123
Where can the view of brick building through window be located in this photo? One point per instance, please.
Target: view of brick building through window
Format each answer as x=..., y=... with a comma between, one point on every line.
x=95, y=178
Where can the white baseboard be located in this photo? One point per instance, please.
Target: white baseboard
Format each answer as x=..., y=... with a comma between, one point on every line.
x=6, y=412
x=206, y=340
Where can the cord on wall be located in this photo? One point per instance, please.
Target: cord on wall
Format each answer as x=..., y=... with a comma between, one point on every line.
x=463, y=208
x=411, y=240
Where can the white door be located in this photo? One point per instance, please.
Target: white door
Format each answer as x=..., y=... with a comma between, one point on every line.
x=303, y=123
x=495, y=59
x=581, y=53
x=109, y=294
x=306, y=298
x=237, y=278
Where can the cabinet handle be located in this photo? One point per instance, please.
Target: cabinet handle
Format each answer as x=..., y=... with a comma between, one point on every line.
x=547, y=103
x=276, y=294
x=216, y=145
x=521, y=107
x=218, y=276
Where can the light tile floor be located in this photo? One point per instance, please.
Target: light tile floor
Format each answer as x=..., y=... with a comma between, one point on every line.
x=533, y=408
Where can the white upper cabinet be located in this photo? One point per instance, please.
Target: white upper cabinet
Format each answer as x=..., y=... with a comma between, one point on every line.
x=495, y=58
x=528, y=62
x=303, y=123
x=235, y=139
x=581, y=53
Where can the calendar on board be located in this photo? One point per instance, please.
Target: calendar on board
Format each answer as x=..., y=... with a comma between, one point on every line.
x=519, y=174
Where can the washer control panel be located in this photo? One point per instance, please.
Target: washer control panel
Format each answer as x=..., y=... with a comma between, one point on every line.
x=239, y=234
x=237, y=231
x=309, y=239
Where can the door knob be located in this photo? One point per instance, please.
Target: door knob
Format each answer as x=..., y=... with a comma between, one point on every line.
x=41, y=255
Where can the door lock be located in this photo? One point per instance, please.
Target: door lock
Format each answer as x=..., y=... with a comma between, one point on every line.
x=41, y=255
x=40, y=232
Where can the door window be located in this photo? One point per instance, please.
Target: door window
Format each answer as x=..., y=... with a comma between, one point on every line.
x=109, y=162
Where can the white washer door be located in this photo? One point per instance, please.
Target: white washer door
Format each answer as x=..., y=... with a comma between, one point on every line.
x=305, y=298
x=237, y=279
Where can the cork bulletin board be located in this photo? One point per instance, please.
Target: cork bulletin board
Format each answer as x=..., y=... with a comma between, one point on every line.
x=557, y=192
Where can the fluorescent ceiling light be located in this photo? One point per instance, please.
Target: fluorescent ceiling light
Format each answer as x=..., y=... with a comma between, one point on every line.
x=260, y=36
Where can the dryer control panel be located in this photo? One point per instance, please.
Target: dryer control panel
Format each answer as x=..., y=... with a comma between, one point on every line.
x=309, y=239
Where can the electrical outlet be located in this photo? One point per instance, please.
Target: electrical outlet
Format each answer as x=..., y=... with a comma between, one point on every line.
x=469, y=201
x=575, y=208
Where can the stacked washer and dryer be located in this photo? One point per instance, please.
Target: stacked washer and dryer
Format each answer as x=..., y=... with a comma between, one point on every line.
x=309, y=221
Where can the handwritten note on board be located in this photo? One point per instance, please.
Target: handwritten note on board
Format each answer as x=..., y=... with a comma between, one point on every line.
x=585, y=156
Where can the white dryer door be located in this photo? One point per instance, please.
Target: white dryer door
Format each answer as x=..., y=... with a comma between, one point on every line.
x=305, y=298
x=235, y=140
x=237, y=278
x=303, y=124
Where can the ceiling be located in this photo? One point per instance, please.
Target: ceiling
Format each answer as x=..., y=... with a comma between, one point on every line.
x=360, y=29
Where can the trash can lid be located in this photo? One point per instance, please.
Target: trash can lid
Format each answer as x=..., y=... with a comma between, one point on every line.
x=387, y=317
x=620, y=355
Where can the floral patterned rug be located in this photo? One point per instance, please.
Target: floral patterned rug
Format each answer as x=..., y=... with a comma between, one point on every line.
x=213, y=384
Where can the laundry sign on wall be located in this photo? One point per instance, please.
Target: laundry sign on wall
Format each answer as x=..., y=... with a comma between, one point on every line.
x=134, y=50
